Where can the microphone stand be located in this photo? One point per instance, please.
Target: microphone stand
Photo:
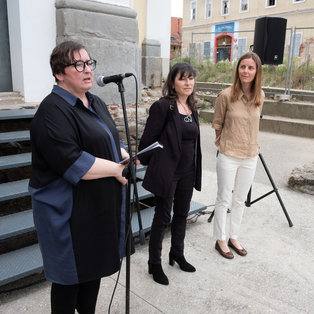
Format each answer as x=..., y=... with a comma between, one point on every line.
x=131, y=178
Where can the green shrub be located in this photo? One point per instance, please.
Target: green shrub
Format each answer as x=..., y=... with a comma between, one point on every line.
x=273, y=75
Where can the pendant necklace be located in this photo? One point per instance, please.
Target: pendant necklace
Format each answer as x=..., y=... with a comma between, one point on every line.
x=188, y=117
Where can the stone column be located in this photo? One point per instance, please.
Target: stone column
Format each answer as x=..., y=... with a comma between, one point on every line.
x=151, y=63
x=110, y=34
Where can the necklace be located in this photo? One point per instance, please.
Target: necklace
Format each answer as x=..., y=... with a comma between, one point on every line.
x=188, y=117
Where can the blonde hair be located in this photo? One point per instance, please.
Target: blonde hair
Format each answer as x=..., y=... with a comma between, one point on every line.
x=256, y=86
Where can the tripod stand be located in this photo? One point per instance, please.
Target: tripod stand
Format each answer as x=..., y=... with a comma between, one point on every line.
x=248, y=201
x=130, y=174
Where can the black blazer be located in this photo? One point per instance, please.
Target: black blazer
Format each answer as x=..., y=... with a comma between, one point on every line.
x=163, y=125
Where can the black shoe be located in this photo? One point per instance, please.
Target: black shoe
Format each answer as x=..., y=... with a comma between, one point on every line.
x=158, y=274
x=184, y=265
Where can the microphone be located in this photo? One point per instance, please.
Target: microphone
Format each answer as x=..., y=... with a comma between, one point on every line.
x=103, y=80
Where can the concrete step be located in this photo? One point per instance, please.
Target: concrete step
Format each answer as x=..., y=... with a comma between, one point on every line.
x=142, y=193
x=14, y=189
x=14, y=161
x=15, y=136
x=288, y=109
x=296, y=94
x=20, y=264
x=14, y=100
x=275, y=124
x=10, y=98
x=16, y=224
x=14, y=114
x=19, y=188
x=27, y=261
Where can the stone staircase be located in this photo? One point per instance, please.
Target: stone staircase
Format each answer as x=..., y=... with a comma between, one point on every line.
x=20, y=257
x=293, y=117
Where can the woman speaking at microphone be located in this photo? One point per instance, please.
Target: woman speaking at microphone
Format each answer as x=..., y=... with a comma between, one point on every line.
x=173, y=171
x=76, y=185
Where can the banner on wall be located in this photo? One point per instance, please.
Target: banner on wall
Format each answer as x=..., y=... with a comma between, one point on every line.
x=224, y=28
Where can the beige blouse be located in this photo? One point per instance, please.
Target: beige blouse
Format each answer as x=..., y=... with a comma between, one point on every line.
x=239, y=122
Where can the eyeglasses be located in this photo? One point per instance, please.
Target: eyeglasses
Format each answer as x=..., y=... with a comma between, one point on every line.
x=80, y=65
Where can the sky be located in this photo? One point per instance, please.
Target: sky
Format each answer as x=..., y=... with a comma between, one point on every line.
x=177, y=8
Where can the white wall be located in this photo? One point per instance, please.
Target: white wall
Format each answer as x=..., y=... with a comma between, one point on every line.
x=159, y=28
x=32, y=33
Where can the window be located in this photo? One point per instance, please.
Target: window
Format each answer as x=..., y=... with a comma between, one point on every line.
x=208, y=9
x=206, y=53
x=193, y=10
x=225, y=7
x=244, y=5
x=270, y=3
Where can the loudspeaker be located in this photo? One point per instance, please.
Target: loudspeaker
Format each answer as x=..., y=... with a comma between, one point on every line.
x=269, y=39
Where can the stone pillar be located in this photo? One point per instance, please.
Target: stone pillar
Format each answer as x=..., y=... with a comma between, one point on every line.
x=110, y=34
x=151, y=63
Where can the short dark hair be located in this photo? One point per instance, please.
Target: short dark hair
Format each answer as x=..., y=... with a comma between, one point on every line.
x=62, y=55
x=169, y=92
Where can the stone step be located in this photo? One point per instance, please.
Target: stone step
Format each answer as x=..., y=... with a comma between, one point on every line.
x=16, y=224
x=10, y=98
x=14, y=189
x=14, y=100
x=288, y=109
x=19, y=188
x=20, y=263
x=15, y=136
x=27, y=261
x=13, y=114
x=14, y=161
x=296, y=94
x=142, y=193
x=275, y=124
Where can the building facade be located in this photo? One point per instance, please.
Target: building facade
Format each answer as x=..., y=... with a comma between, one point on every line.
x=113, y=30
x=176, y=37
x=224, y=29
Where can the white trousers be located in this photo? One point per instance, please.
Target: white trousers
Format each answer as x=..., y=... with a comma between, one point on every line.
x=234, y=178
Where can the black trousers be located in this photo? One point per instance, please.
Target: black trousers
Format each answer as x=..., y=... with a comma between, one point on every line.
x=66, y=298
x=180, y=196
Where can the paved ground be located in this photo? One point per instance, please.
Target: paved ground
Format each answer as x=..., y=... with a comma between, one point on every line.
x=277, y=275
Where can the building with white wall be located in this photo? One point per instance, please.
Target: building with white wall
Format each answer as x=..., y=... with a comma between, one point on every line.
x=31, y=34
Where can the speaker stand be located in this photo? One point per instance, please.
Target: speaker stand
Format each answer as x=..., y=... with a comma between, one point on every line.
x=248, y=201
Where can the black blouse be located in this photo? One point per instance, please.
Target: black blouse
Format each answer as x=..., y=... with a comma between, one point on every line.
x=78, y=222
x=189, y=136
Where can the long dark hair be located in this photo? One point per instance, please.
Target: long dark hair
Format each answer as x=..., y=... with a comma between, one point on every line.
x=256, y=87
x=169, y=92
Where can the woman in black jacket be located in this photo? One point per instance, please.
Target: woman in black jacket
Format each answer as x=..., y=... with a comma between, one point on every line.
x=173, y=171
x=76, y=185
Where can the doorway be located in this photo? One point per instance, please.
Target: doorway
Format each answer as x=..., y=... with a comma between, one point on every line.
x=5, y=60
x=223, y=43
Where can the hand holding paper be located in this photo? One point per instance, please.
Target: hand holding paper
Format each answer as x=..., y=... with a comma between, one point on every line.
x=147, y=149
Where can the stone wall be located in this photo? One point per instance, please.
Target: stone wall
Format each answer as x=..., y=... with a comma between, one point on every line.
x=151, y=63
x=110, y=34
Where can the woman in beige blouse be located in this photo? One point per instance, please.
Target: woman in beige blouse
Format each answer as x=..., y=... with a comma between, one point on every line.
x=236, y=123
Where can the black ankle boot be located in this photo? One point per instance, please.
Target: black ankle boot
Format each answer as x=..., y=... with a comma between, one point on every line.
x=158, y=274
x=184, y=265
